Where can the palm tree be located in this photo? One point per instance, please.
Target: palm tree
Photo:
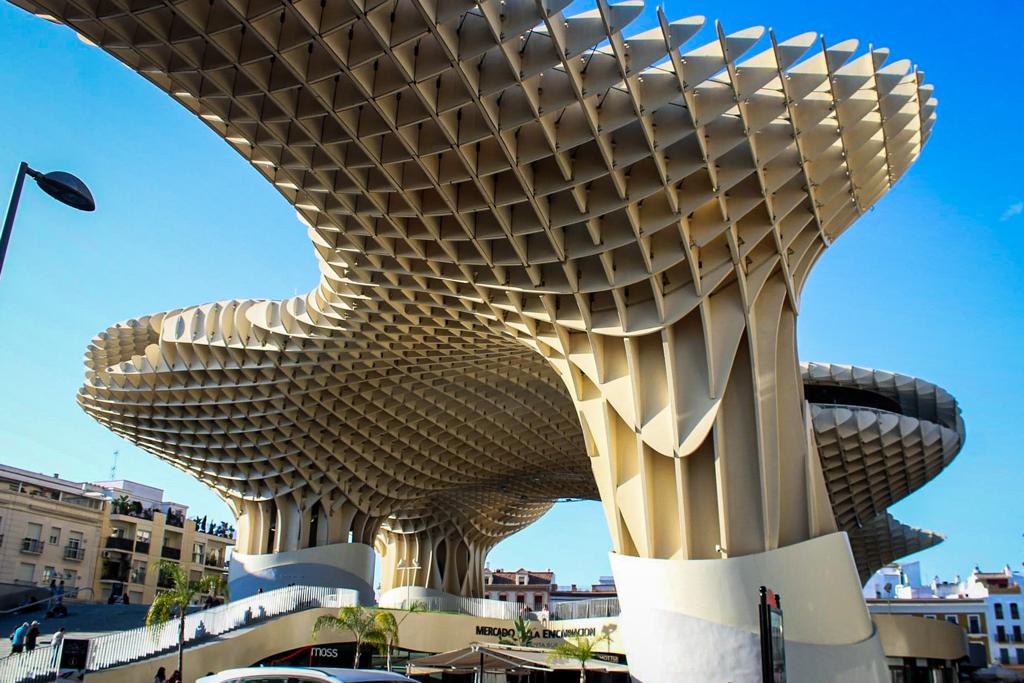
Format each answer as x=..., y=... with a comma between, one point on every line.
x=175, y=602
x=360, y=621
x=387, y=626
x=579, y=648
x=523, y=635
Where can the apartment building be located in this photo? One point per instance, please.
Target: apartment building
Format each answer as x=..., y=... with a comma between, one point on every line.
x=49, y=531
x=1001, y=592
x=140, y=531
x=102, y=539
x=531, y=589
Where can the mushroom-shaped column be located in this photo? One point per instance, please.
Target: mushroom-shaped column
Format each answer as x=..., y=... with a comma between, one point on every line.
x=444, y=549
x=676, y=336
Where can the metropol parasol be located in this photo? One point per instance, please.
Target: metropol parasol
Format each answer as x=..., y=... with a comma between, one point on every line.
x=559, y=260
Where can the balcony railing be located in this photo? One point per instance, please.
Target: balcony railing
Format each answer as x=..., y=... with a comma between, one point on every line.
x=170, y=553
x=119, y=543
x=33, y=546
x=164, y=581
x=214, y=562
x=142, y=547
x=125, y=647
x=74, y=552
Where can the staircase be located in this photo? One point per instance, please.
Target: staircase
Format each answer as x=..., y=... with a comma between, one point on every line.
x=135, y=644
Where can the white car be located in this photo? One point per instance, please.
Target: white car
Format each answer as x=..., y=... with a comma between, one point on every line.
x=292, y=674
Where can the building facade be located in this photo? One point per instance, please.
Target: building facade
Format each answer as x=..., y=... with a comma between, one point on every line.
x=101, y=539
x=529, y=588
x=1001, y=592
x=50, y=530
x=140, y=531
x=604, y=588
x=989, y=606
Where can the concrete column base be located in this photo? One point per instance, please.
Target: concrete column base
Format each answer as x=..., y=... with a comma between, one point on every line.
x=340, y=565
x=697, y=620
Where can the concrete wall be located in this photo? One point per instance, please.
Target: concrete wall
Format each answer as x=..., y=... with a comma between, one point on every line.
x=423, y=632
x=907, y=636
x=340, y=565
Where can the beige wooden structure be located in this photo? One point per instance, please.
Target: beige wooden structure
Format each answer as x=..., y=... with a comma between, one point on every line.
x=513, y=206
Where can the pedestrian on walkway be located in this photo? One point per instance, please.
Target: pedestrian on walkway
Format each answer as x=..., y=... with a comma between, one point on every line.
x=161, y=676
x=32, y=636
x=18, y=638
x=55, y=643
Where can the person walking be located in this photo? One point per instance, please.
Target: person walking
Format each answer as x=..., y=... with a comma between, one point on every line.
x=175, y=677
x=32, y=636
x=161, y=676
x=18, y=639
x=55, y=643
x=60, y=591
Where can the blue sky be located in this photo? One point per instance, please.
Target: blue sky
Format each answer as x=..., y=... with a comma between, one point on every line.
x=927, y=283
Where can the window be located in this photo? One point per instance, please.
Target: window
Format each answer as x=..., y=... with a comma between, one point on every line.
x=1017, y=635
x=999, y=610
x=26, y=573
x=49, y=573
x=930, y=616
x=138, y=574
x=34, y=531
x=488, y=579
x=1004, y=655
x=974, y=624
x=1001, y=633
x=521, y=579
x=1014, y=610
x=1020, y=655
x=142, y=536
x=521, y=599
x=74, y=539
x=951, y=618
x=503, y=597
x=55, y=535
x=198, y=553
x=70, y=577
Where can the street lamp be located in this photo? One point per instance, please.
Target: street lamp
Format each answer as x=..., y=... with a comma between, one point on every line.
x=414, y=567
x=64, y=187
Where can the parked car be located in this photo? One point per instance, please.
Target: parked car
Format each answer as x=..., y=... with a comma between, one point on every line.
x=294, y=674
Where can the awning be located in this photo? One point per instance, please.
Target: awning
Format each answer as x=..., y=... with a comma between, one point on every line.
x=507, y=659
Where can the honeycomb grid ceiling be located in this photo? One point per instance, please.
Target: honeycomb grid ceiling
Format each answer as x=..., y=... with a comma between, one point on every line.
x=494, y=191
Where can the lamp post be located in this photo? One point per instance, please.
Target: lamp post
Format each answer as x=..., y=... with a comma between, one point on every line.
x=62, y=186
x=403, y=567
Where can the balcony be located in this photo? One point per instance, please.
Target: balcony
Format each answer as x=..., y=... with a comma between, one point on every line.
x=74, y=553
x=119, y=543
x=164, y=581
x=214, y=563
x=32, y=546
x=170, y=553
x=114, y=572
x=142, y=547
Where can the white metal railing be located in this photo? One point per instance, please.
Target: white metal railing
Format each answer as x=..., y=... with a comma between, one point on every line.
x=586, y=609
x=139, y=643
x=477, y=607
